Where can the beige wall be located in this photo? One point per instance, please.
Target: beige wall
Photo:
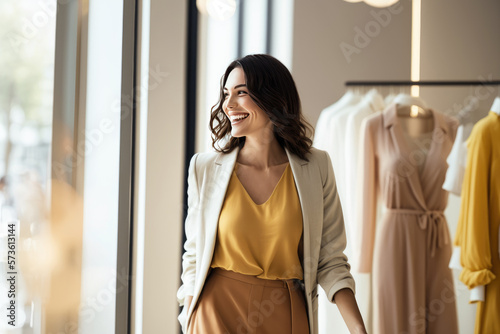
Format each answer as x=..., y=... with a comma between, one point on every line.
x=460, y=40
x=319, y=65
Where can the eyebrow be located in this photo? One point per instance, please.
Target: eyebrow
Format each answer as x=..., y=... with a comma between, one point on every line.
x=237, y=86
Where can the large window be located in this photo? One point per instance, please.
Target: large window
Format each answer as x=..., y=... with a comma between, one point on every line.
x=27, y=31
x=62, y=115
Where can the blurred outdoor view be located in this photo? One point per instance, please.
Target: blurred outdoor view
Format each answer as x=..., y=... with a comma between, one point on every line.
x=27, y=31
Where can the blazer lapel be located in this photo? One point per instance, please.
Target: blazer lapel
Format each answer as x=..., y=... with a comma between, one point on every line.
x=216, y=192
x=302, y=181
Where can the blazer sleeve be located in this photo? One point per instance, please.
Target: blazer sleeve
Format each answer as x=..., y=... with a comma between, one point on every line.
x=189, y=256
x=333, y=269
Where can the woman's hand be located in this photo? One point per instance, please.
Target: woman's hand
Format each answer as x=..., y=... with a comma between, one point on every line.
x=348, y=307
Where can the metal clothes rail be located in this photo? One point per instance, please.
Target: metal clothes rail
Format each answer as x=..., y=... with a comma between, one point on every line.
x=423, y=83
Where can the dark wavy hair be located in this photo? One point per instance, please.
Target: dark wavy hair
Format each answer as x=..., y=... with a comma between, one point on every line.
x=272, y=88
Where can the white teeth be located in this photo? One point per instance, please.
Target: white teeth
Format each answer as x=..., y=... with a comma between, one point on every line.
x=237, y=118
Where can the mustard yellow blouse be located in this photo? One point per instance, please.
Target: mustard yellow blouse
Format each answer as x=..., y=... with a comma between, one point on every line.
x=479, y=220
x=478, y=230
x=260, y=240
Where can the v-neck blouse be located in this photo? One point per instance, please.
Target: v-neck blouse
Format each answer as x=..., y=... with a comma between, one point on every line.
x=260, y=240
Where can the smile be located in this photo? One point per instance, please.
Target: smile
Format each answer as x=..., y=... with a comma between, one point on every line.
x=238, y=118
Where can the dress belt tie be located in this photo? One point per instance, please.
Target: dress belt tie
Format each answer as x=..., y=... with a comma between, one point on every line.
x=432, y=220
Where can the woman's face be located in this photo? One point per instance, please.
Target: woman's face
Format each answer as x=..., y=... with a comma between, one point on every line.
x=247, y=119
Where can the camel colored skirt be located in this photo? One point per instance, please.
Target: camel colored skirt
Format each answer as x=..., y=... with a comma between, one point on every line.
x=234, y=303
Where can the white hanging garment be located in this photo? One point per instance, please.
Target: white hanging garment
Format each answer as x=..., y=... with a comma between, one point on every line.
x=496, y=105
x=372, y=102
x=455, y=259
x=457, y=160
x=322, y=131
x=335, y=141
x=328, y=316
x=337, y=152
x=328, y=139
x=389, y=99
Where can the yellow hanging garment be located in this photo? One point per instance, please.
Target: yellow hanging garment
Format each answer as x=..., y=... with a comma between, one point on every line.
x=479, y=220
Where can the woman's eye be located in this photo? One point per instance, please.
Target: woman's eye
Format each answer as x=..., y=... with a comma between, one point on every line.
x=225, y=95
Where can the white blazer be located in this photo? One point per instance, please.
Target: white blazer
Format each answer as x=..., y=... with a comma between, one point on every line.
x=323, y=262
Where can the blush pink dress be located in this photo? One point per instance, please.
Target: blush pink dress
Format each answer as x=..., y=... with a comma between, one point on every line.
x=409, y=249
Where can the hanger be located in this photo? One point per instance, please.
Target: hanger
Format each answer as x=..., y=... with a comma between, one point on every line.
x=417, y=106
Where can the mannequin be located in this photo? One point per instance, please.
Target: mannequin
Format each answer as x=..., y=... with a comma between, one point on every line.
x=406, y=259
x=415, y=116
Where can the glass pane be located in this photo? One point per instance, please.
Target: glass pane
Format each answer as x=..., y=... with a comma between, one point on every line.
x=99, y=287
x=59, y=165
x=27, y=49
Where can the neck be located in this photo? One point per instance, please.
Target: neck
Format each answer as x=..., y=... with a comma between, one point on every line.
x=262, y=153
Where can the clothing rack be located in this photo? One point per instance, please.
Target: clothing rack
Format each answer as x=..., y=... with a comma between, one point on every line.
x=423, y=83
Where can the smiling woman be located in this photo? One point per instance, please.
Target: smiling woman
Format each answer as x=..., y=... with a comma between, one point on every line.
x=264, y=224
x=238, y=106
x=260, y=85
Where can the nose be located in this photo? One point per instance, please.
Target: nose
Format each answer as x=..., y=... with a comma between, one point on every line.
x=231, y=101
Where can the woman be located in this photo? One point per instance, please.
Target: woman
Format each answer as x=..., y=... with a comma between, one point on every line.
x=264, y=223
